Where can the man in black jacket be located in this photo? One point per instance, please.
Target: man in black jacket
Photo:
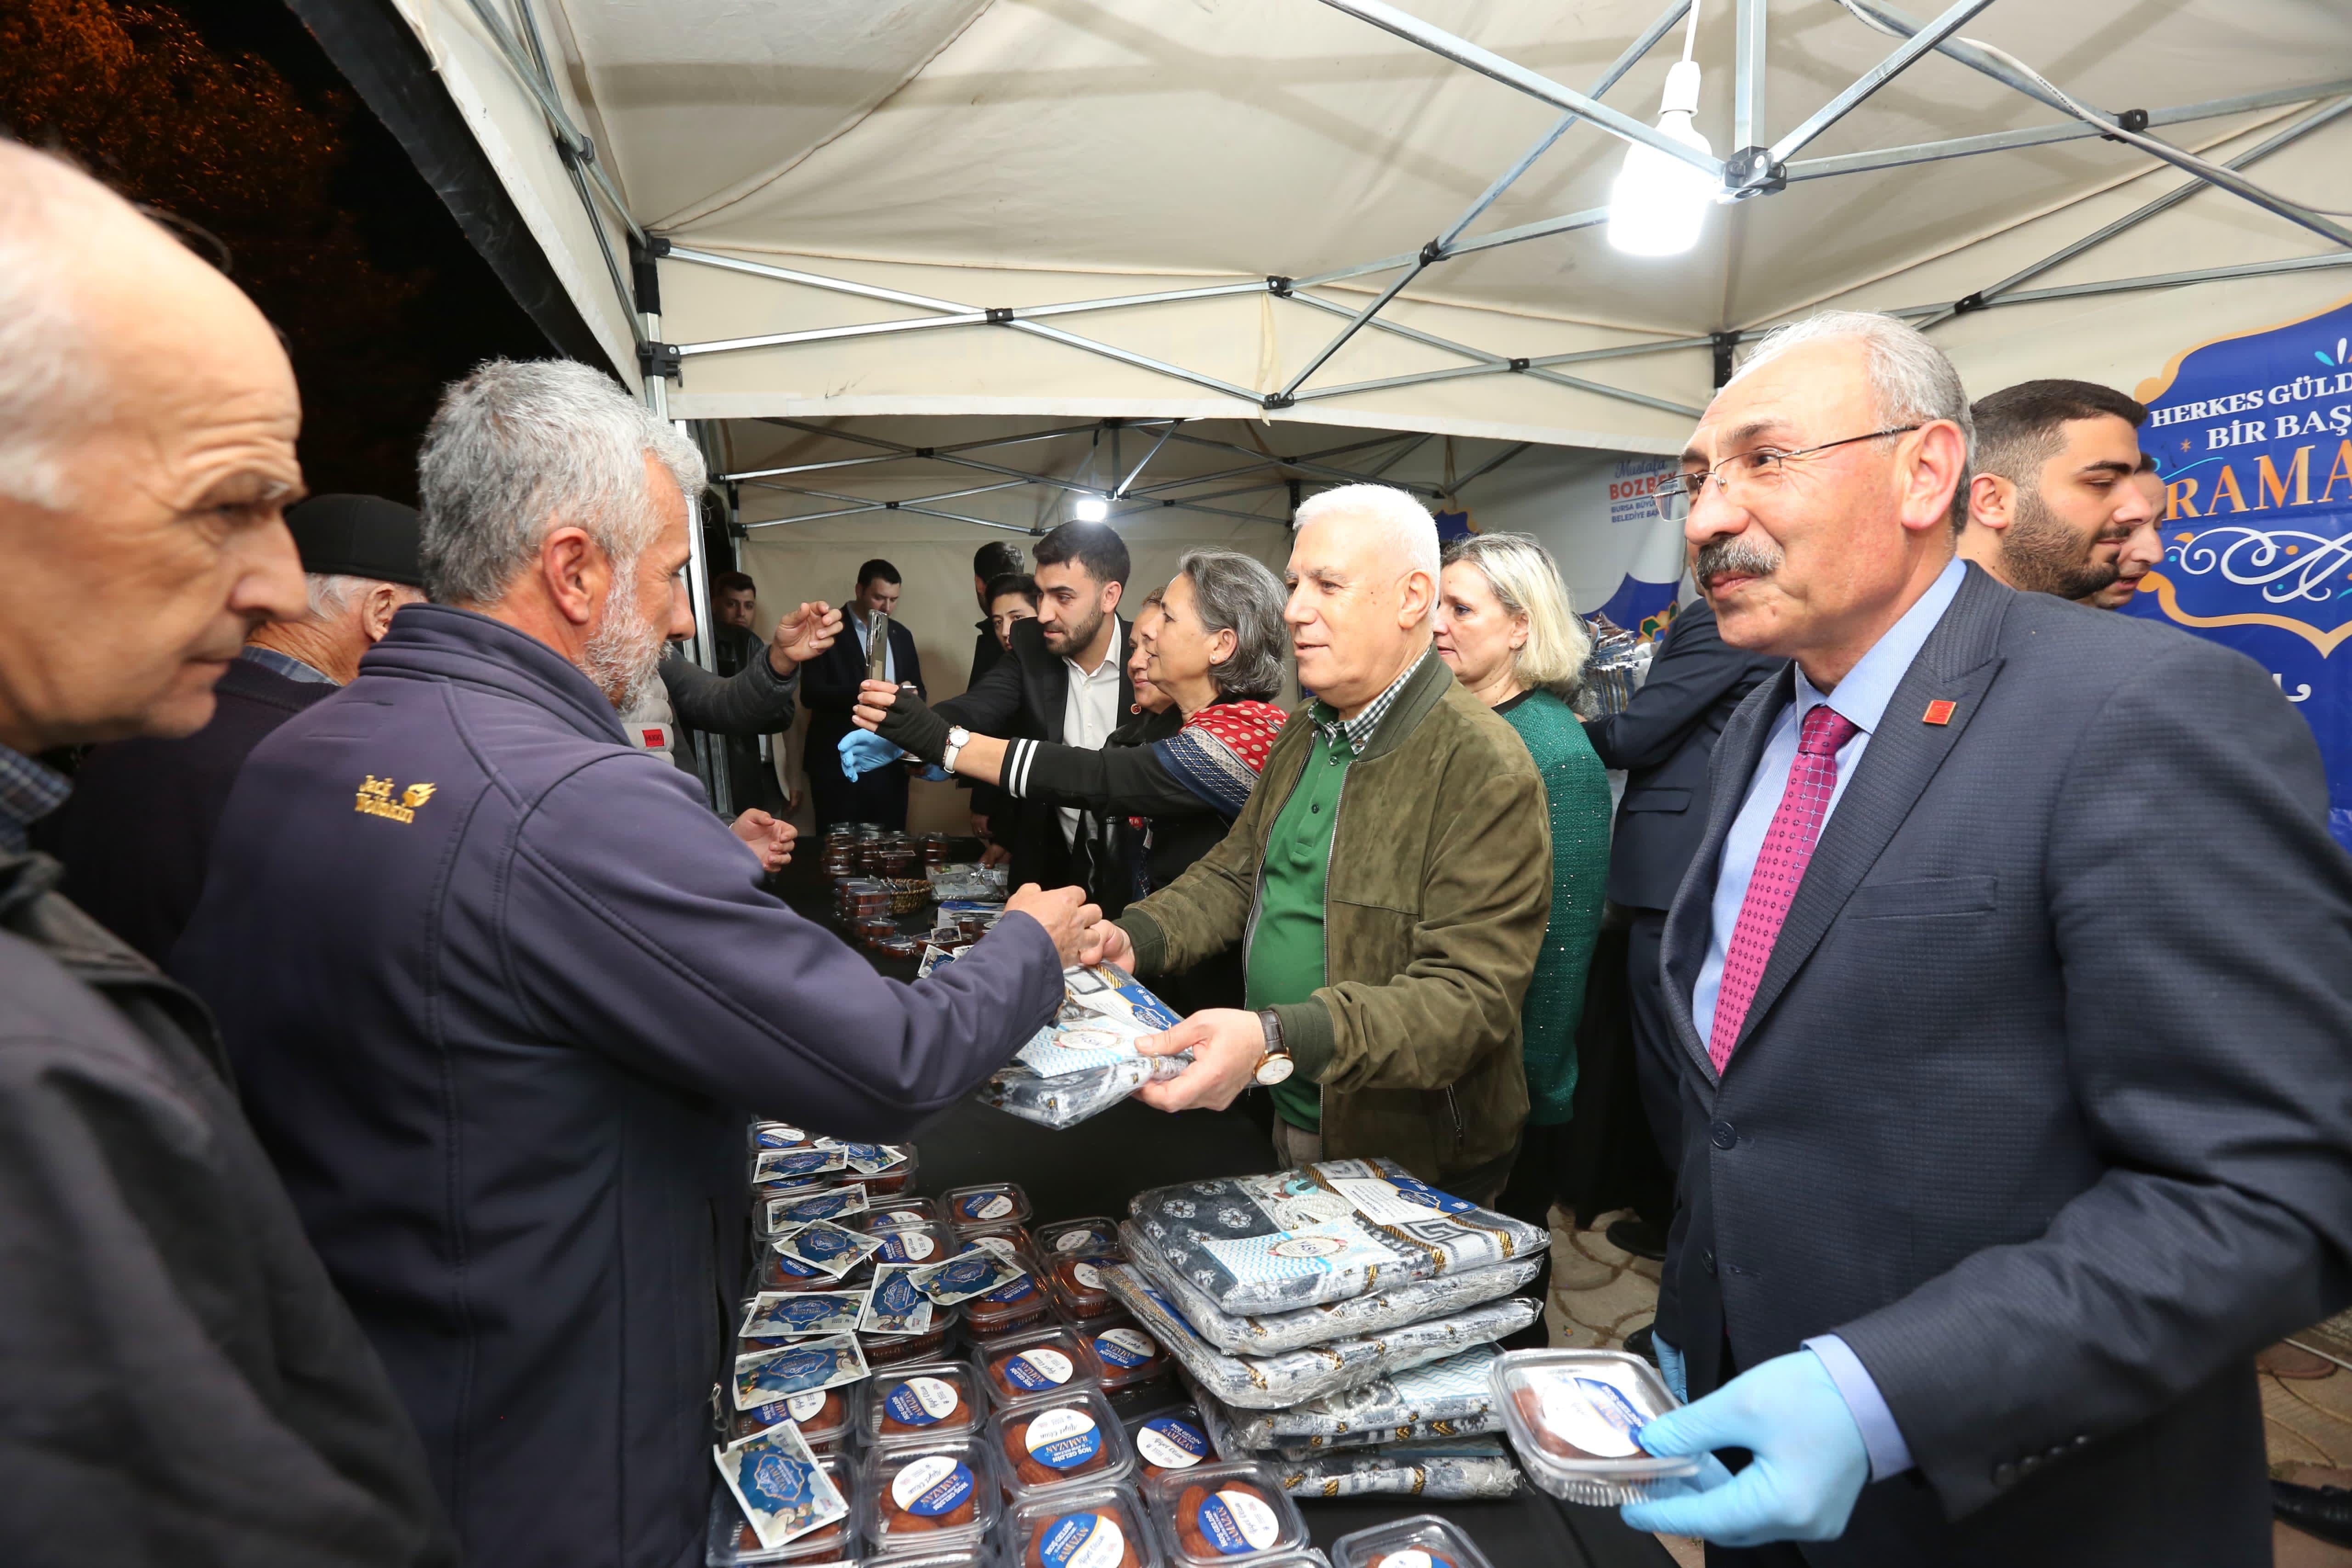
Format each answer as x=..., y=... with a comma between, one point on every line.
x=1065, y=679
x=183, y=1382
x=1663, y=739
x=358, y=554
x=829, y=686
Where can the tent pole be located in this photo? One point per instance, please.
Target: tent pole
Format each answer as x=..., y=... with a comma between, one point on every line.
x=1591, y=218
x=1463, y=52
x=1137, y=472
x=1921, y=40
x=2044, y=135
x=1482, y=470
x=1140, y=362
x=823, y=334
x=1269, y=462
x=1747, y=76
x=2326, y=114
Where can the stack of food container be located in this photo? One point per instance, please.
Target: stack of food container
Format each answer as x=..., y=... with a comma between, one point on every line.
x=1336, y=1323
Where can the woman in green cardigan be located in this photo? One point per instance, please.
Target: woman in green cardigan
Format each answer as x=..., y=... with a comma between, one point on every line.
x=1504, y=626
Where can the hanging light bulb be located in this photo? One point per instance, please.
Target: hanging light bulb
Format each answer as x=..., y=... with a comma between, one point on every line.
x=1659, y=202
x=1091, y=509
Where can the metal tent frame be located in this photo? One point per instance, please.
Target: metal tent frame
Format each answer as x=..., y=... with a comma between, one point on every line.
x=1754, y=171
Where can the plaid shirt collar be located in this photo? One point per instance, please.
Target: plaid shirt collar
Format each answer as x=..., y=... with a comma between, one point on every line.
x=1358, y=730
x=28, y=791
x=287, y=665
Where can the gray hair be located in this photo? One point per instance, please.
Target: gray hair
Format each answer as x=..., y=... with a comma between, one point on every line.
x=50, y=382
x=1385, y=509
x=332, y=593
x=1238, y=594
x=1911, y=382
x=1526, y=581
x=520, y=448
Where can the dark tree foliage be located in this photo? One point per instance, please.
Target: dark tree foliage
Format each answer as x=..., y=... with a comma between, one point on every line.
x=225, y=117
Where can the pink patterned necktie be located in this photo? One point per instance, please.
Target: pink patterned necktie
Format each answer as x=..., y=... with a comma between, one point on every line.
x=1779, y=867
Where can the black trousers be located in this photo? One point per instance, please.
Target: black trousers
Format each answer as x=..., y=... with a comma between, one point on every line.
x=879, y=796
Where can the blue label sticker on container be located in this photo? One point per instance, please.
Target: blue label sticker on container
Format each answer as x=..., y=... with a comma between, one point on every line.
x=984, y=1205
x=1170, y=1443
x=1038, y=1369
x=796, y=1270
x=1611, y=1405
x=1236, y=1522
x=1021, y=1290
x=1125, y=1347
x=1064, y=1438
x=919, y=1401
x=1082, y=1540
x=931, y=1486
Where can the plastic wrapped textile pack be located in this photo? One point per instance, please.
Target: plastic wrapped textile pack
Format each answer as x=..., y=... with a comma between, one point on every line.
x=1358, y=1315
x=1294, y=1377
x=1325, y=1232
x=1454, y=1470
x=1059, y=1102
x=1448, y=1398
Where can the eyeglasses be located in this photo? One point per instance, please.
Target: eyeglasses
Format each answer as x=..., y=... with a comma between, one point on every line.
x=1749, y=470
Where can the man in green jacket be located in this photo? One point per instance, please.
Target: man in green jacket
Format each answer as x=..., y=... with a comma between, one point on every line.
x=1388, y=881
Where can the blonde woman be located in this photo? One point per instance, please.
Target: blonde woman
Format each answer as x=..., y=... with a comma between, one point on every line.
x=1505, y=627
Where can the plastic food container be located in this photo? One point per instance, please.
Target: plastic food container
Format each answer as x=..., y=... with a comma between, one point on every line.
x=774, y=1272
x=1125, y=1354
x=1168, y=1437
x=732, y=1540
x=1077, y=1284
x=778, y=1136
x=1224, y=1514
x=1424, y=1541
x=899, y=1177
x=926, y=1402
x=1042, y=1364
x=1053, y=1444
x=993, y=1205
x=1092, y=1237
x=917, y=1243
x=1571, y=1416
x=895, y=1211
x=1091, y=1527
x=896, y=1350
x=1008, y=1310
x=926, y=1494
x=823, y=1414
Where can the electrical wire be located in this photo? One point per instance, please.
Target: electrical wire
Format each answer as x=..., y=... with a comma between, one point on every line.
x=2089, y=116
x=1690, y=32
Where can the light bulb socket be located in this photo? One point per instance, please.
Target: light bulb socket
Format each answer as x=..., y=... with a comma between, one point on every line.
x=1681, y=89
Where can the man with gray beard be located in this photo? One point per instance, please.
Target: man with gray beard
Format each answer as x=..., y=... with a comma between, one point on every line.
x=501, y=991
x=2051, y=504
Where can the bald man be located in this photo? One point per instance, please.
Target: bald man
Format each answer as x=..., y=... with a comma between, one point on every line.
x=182, y=1383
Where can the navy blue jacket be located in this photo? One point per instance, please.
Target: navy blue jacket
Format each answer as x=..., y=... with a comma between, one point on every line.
x=1663, y=739
x=501, y=991
x=2040, y=1101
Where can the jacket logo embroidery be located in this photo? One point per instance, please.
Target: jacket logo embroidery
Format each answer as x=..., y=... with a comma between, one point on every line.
x=374, y=799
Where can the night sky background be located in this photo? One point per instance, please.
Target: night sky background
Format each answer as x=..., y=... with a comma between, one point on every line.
x=226, y=117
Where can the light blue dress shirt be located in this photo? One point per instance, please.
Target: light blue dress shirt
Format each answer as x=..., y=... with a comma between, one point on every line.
x=1862, y=697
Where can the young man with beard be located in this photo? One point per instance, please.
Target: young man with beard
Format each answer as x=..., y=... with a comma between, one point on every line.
x=501, y=991
x=2142, y=550
x=2052, y=501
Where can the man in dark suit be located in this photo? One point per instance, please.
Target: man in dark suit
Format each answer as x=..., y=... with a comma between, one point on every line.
x=137, y=833
x=1663, y=739
x=829, y=686
x=1064, y=679
x=2012, y=982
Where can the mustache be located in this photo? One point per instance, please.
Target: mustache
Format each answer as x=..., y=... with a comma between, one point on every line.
x=1737, y=555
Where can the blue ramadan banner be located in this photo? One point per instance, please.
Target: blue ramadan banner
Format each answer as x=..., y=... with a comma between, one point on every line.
x=2253, y=435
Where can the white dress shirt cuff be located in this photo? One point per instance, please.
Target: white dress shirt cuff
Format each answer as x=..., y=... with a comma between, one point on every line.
x=1889, y=1454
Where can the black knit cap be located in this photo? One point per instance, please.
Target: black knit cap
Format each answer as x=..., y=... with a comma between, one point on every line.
x=358, y=536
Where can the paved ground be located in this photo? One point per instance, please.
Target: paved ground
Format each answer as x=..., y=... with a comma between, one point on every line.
x=1600, y=1295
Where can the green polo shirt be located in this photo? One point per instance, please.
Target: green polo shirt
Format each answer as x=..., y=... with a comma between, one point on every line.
x=1285, y=953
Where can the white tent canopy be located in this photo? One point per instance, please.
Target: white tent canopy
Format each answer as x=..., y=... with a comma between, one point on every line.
x=830, y=165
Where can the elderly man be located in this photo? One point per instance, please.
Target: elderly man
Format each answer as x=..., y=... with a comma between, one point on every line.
x=1390, y=877
x=2011, y=981
x=183, y=1382
x=522, y=989
x=2052, y=501
x=137, y=833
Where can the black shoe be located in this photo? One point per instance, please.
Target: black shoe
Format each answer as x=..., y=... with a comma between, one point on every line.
x=1644, y=1343
x=1640, y=1238
x=2322, y=1512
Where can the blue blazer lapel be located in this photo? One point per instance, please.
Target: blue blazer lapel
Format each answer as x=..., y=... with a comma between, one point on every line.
x=1957, y=665
x=1690, y=926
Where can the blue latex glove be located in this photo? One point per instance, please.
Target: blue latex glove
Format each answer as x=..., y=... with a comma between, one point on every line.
x=862, y=752
x=933, y=772
x=1810, y=1462
x=1669, y=1367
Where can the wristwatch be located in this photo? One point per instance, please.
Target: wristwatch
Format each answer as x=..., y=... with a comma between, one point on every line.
x=1275, y=1065
x=958, y=739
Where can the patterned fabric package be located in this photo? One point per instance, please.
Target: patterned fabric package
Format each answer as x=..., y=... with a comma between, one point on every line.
x=1065, y=1102
x=1454, y=1470
x=1294, y=1377
x=1359, y=1315
x=1448, y=1398
x=1327, y=1232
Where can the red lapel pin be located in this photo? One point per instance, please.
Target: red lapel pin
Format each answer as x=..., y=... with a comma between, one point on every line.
x=1938, y=712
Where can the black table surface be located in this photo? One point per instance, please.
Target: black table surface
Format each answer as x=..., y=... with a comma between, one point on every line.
x=1096, y=1166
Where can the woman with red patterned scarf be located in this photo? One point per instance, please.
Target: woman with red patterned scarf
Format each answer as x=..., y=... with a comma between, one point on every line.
x=1217, y=650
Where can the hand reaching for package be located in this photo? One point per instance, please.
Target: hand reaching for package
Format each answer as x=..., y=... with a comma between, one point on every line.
x=1809, y=1464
